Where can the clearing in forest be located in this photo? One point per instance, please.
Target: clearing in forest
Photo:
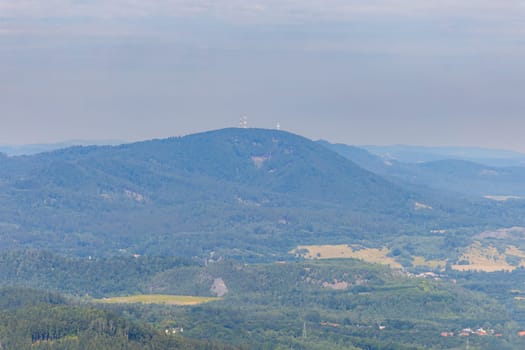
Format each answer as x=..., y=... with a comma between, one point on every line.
x=344, y=251
x=489, y=259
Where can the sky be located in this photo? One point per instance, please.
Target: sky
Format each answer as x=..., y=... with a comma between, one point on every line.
x=433, y=72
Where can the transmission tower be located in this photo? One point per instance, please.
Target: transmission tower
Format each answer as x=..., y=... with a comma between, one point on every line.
x=243, y=124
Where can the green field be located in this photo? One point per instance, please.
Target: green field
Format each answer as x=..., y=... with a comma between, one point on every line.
x=158, y=299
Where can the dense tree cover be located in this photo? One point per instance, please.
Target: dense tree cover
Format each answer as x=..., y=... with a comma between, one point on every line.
x=40, y=320
x=267, y=305
x=508, y=288
x=275, y=302
x=338, y=304
x=13, y=298
x=83, y=276
x=248, y=194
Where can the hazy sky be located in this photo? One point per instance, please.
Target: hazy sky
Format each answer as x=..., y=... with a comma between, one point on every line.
x=432, y=72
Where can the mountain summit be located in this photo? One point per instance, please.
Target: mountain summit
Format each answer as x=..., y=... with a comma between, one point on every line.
x=187, y=188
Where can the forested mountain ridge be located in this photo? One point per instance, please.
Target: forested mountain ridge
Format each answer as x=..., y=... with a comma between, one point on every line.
x=246, y=193
x=131, y=196
x=275, y=160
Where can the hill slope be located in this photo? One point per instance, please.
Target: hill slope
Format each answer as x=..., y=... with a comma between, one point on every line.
x=194, y=191
x=248, y=193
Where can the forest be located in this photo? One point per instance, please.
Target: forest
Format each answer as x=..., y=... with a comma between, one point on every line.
x=88, y=234
x=338, y=304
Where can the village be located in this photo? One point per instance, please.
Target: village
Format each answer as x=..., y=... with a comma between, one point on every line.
x=467, y=332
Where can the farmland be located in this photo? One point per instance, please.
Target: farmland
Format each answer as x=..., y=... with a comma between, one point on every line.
x=489, y=259
x=344, y=251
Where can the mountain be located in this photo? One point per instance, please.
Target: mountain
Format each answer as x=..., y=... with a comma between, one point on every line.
x=250, y=194
x=275, y=161
x=188, y=216
x=454, y=175
x=29, y=149
x=244, y=189
x=361, y=157
x=419, y=154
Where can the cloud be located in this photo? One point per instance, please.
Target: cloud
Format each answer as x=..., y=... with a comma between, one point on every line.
x=392, y=58
x=263, y=9
x=399, y=25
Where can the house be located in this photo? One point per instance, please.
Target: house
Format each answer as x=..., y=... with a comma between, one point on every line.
x=481, y=332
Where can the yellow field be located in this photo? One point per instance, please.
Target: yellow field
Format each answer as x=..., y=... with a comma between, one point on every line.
x=488, y=259
x=514, y=251
x=344, y=251
x=158, y=299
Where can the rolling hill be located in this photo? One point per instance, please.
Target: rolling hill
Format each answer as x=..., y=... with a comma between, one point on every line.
x=275, y=161
x=190, y=194
x=246, y=193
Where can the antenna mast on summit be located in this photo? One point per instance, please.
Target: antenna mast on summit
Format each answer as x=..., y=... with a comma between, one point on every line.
x=243, y=124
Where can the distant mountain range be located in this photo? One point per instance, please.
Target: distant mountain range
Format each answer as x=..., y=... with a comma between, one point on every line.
x=420, y=154
x=30, y=149
x=245, y=193
x=449, y=171
x=400, y=153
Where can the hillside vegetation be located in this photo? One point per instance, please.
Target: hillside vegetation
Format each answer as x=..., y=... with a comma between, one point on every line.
x=259, y=239
x=324, y=304
x=248, y=194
